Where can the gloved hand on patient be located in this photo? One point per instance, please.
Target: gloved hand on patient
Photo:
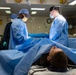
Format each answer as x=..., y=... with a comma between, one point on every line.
x=4, y=43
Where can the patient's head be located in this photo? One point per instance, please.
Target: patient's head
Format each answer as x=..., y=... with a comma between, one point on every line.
x=57, y=58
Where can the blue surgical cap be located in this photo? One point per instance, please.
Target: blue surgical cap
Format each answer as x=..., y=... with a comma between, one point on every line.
x=24, y=11
x=13, y=16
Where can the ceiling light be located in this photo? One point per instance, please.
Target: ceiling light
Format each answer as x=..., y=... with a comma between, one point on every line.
x=5, y=8
x=73, y=3
x=37, y=8
x=8, y=12
x=33, y=12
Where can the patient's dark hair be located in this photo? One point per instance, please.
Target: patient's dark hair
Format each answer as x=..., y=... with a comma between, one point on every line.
x=59, y=60
x=42, y=61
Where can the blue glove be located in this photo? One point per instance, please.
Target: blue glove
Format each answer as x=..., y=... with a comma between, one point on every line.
x=5, y=43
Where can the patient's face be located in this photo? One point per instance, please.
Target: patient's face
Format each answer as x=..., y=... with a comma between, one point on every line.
x=53, y=50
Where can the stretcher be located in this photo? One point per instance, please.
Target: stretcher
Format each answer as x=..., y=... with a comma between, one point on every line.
x=39, y=70
x=15, y=62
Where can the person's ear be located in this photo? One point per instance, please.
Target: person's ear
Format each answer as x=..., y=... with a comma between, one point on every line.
x=48, y=58
x=54, y=47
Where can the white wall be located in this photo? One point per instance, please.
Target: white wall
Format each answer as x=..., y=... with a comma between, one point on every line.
x=38, y=25
x=34, y=24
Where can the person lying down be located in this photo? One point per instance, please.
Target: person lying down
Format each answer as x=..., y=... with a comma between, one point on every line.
x=55, y=60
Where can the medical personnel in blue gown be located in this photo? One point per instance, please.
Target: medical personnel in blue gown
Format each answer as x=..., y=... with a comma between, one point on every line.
x=19, y=32
x=59, y=27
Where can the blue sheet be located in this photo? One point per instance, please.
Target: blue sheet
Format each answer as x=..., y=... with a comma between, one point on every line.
x=15, y=62
x=72, y=43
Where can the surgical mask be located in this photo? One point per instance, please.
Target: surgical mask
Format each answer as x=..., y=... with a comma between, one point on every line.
x=25, y=19
x=51, y=16
x=12, y=20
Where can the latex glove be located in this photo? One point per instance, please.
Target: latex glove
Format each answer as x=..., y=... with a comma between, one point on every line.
x=5, y=43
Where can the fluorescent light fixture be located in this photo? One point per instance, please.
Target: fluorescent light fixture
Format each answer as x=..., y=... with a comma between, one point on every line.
x=5, y=8
x=8, y=12
x=33, y=12
x=37, y=8
x=73, y=3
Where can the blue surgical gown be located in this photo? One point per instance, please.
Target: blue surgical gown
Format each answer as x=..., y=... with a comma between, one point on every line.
x=59, y=30
x=18, y=33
